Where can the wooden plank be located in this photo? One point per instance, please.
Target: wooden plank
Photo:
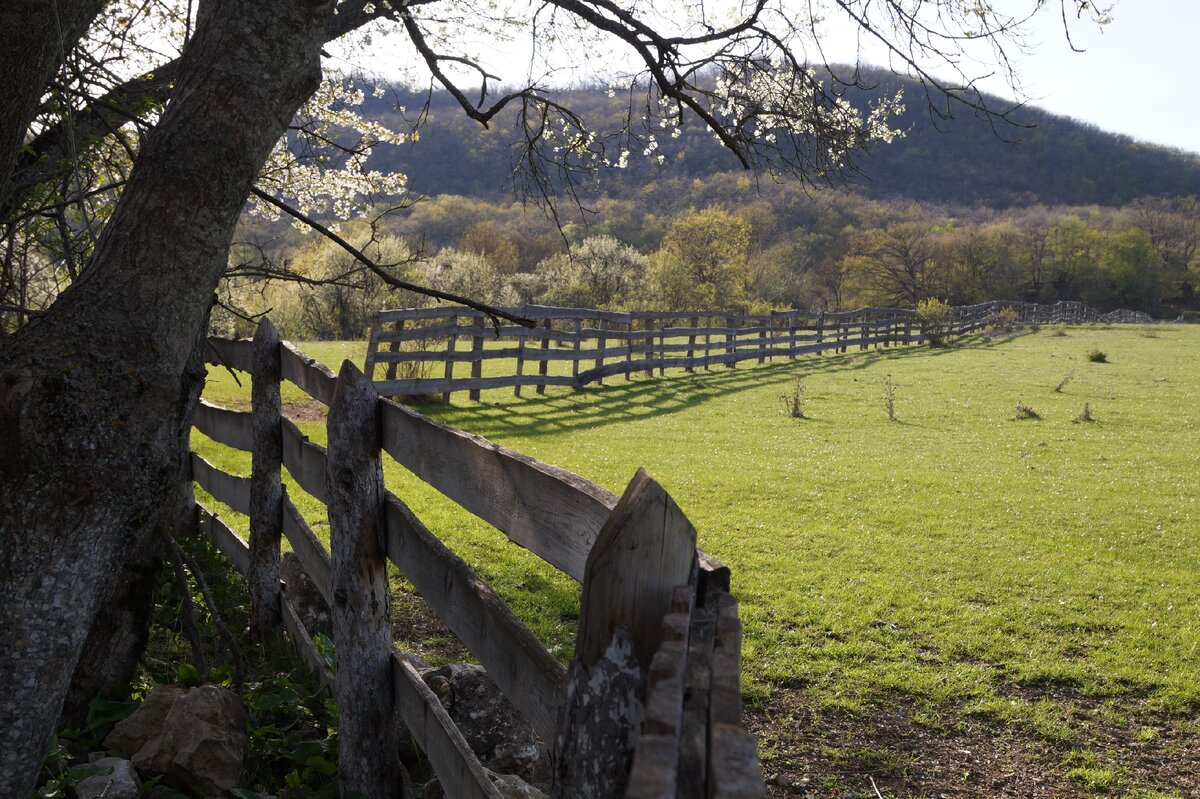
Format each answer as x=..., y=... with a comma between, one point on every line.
x=451, y=342
x=544, y=362
x=372, y=346
x=304, y=642
x=417, y=333
x=234, y=491
x=655, y=768
x=225, y=539
x=547, y=510
x=395, y=352
x=231, y=352
x=529, y=676
x=733, y=771
x=693, y=747
x=304, y=460
x=266, y=490
x=646, y=548
x=520, y=356
x=308, y=548
x=458, y=769
x=396, y=388
x=225, y=426
x=313, y=377
x=476, y=363
x=368, y=756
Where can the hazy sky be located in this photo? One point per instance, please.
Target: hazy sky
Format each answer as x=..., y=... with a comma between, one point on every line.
x=1137, y=76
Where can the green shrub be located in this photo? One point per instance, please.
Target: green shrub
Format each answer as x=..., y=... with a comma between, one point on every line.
x=1097, y=356
x=934, y=317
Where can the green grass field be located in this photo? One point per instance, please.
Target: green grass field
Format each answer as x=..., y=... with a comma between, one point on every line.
x=966, y=564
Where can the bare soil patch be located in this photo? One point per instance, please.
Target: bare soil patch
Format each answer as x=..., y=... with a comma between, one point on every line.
x=903, y=754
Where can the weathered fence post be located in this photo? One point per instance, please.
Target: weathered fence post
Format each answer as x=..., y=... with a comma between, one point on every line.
x=477, y=351
x=451, y=339
x=645, y=549
x=578, y=347
x=520, y=360
x=648, y=345
x=792, y=335
x=695, y=322
x=394, y=348
x=266, y=492
x=544, y=364
x=731, y=343
x=368, y=761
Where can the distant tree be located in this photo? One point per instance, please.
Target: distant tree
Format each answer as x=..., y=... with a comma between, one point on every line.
x=896, y=265
x=600, y=273
x=1173, y=227
x=703, y=261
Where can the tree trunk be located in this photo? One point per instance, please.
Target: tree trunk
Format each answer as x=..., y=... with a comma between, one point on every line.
x=96, y=396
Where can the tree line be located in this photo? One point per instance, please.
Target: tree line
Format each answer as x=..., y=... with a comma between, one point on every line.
x=752, y=248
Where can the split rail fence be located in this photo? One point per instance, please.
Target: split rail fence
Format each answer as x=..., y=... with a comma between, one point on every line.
x=409, y=343
x=649, y=707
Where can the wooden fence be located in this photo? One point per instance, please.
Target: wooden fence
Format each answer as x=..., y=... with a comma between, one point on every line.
x=412, y=343
x=650, y=705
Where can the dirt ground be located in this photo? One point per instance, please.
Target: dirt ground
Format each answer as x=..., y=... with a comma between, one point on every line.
x=884, y=752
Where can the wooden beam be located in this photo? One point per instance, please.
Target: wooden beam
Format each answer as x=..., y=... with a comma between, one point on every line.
x=529, y=676
x=368, y=759
x=266, y=490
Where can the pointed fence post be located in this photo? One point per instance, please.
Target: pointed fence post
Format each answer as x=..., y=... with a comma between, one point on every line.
x=365, y=692
x=644, y=551
x=266, y=492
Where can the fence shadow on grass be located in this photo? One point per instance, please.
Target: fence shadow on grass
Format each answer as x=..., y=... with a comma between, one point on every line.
x=646, y=397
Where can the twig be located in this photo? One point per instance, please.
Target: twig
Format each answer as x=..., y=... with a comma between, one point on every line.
x=189, y=611
x=875, y=787
x=235, y=654
x=490, y=310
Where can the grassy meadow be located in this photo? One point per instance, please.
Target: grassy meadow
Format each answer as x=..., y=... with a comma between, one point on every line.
x=974, y=567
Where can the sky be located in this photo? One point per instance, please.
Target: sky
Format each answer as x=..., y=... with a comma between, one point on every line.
x=1135, y=76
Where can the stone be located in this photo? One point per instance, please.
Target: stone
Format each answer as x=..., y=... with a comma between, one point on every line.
x=111, y=778
x=497, y=733
x=303, y=594
x=199, y=742
x=510, y=786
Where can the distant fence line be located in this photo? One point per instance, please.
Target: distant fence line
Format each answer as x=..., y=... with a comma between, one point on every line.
x=598, y=344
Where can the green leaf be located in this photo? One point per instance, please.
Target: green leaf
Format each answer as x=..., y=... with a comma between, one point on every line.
x=188, y=675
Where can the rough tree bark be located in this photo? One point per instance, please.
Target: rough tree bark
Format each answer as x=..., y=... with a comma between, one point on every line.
x=96, y=396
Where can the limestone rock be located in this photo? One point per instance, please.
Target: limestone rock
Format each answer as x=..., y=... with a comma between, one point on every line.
x=112, y=778
x=195, y=737
x=303, y=594
x=499, y=736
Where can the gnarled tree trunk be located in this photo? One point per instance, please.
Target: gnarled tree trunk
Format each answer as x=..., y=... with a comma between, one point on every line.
x=96, y=396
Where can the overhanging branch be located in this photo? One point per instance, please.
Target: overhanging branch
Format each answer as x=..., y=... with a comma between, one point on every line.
x=490, y=310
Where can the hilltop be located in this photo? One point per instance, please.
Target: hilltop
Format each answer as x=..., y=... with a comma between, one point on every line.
x=1042, y=158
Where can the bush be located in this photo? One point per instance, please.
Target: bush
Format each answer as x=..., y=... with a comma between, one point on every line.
x=1097, y=356
x=1025, y=412
x=933, y=315
x=1006, y=319
x=793, y=404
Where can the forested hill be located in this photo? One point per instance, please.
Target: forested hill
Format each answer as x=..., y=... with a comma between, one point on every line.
x=965, y=162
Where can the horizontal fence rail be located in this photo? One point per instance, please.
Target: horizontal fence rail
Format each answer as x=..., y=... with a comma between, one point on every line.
x=573, y=524
x=437, y=351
